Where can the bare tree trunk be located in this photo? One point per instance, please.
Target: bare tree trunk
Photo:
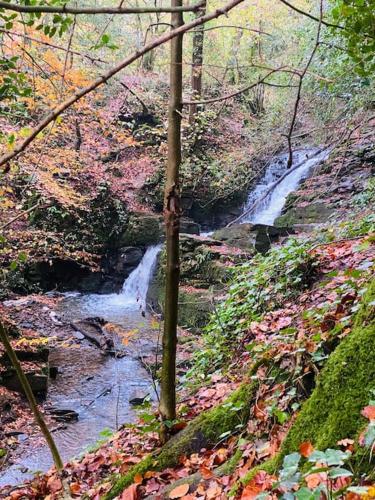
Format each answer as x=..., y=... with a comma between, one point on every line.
x=172, y=223
x=31, y=398
x=196, y=68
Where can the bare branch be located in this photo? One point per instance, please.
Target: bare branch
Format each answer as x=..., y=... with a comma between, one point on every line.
x=244, y=28
x=234, y=94
x=53, y=114
x=307, y=14
x=299, y=91
x=57, y=47
x=51, y=9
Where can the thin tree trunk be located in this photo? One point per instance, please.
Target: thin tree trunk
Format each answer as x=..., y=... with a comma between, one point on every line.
x=31, y=398
x=196, y=68
x=172, y=223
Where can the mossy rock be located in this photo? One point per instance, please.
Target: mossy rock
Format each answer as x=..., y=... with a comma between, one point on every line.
x=237, y=235
x=309, y=214
x=343, y=389
x=195, y=307
x=142, y=230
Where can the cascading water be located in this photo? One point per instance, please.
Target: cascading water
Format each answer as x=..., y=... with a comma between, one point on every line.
x=136, y=285
x=271, y=206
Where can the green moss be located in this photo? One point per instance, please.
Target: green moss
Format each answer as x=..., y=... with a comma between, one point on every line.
x=333, y=411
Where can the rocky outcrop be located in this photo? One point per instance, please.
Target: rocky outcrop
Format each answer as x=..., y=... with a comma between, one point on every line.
x=251, y=237
x=204, y=270
x=308, y=214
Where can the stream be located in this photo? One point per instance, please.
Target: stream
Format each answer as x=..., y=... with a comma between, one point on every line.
x=99, y=387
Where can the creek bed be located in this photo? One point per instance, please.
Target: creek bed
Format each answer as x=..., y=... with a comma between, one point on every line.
x=95, y=385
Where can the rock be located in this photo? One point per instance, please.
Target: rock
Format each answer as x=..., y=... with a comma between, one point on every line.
x=308, y=214
x=92, y=329
x=53, y=372
x=40, y=354
x=237, y=235
x=251, y=237
x=63, y=415
x=38, y=382
x=188, y=226
x=138, y=398
x=78, y=335
x=142, y=230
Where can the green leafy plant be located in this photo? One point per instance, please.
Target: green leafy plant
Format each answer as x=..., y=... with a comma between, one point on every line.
x=259, y=286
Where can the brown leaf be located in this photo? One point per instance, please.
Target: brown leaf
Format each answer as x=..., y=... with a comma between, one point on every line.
x=306, y=449
x=54, y=484
x=369, y=412
x=130, y=493
x=179, y=491
x=206, y=472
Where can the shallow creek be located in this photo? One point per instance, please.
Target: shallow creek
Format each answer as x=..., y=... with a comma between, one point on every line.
x=98, y=387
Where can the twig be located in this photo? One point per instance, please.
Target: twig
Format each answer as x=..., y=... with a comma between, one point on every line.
x=57, y=47
x=299, y=91
x=145, y=108
x=22, y=214
x=307, y=14
x=66, y=9
x=234, y=94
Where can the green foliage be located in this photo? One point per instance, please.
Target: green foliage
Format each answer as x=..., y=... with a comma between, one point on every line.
x=357, y=17
x=261, y=285
x=359, y=227
x=14, y=83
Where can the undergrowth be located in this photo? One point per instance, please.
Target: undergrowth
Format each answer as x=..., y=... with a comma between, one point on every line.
x=257, y=287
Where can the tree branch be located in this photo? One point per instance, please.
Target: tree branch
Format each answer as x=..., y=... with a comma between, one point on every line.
x=299, y=91
x=234, y=94
x=51, y=9
x=307, y=14
x=57, y=47
x=238, y=28
x=113, y=71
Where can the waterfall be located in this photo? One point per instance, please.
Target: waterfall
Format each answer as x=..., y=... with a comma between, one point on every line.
x=272, y=205
x=135, y=287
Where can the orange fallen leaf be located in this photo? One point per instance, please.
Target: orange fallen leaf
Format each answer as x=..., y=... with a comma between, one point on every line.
x=369, y=412
x=130, y=493
x=75, y=488
x=306, y=449
x=54, y=484
x=179, y=491
x=206, y=472
x=138, y=478
x=251, y=491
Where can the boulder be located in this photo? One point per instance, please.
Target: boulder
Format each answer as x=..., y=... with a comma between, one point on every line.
x=251, y=237
x=142, y=230
x=37, y=380
x=308, y=214
x=188, y=226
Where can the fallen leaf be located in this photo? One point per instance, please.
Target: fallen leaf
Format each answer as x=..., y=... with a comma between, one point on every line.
x=179, y=491
x=306, y=449
x=54, y=484
x=130, y=493
x=369, y=412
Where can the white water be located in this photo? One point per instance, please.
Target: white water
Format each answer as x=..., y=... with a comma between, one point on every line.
x=271, y=207
x=136, y=285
